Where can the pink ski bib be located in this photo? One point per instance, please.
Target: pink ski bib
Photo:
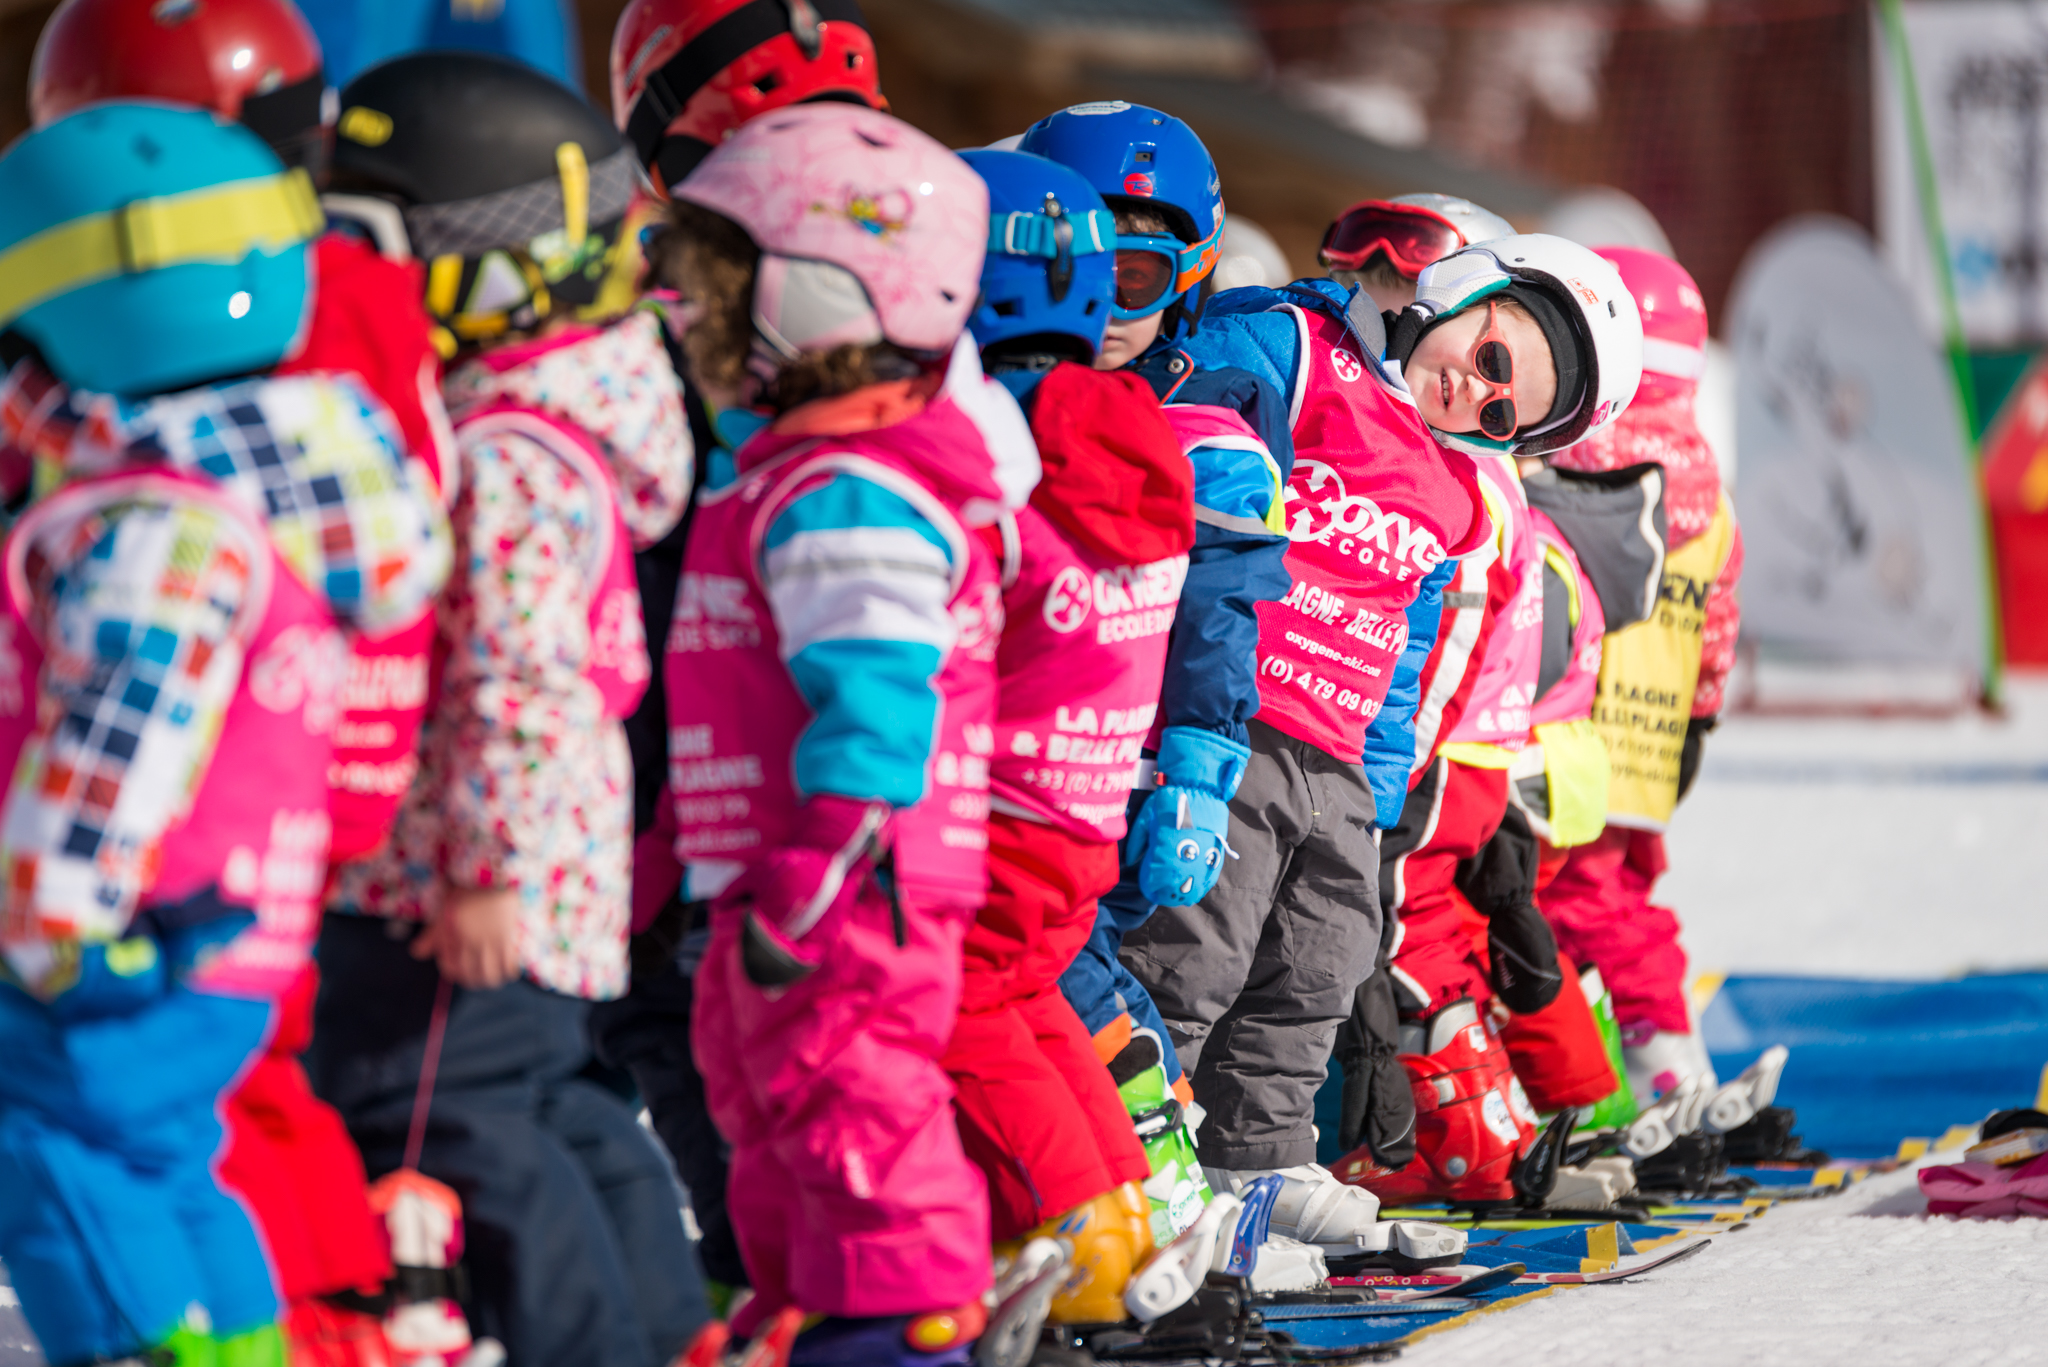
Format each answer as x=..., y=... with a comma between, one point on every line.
x=1082, y=655
x=258, y=827
x=618, y=665
x=735, y=713
x=1571, y=697
x=1373, y=505
x=1497, y=713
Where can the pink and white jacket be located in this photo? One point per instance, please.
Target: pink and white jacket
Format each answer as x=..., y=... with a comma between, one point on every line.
x=569, y=447
x=835, y=632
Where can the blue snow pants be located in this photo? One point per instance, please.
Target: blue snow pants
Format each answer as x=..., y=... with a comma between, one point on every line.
x=1096, y=984
x=112, y=1222
x=573, y=1221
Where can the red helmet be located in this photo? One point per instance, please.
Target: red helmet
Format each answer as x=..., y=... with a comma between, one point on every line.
x=686, y=73
x=1674, y=317
x=254, y=61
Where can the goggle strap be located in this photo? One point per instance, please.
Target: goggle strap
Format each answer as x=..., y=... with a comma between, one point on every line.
x=1034, y=234
x=220, y=224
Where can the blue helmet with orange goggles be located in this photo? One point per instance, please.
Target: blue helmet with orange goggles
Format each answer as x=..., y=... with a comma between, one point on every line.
x=1143, y=160
x=1049, y=278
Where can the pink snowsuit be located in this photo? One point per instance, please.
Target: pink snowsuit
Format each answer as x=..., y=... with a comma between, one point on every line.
x=1599, y=903
x=849, y=1190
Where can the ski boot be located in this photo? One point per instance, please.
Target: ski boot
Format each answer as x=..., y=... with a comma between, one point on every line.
x=1224, y=1238
x=1110, y=1238
x=1618, y=1108
x=1175, y=1190
x=1018, y=1303
x=260, y=1347
x=1468, y=1136
x=1661, y=1060
x=425, y=1324
x=1343, y=1220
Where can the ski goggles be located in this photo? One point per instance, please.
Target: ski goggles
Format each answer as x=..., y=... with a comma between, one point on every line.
x=1056, y=236
x=1152, y=272
x=1411, y=237
x=1493, y=363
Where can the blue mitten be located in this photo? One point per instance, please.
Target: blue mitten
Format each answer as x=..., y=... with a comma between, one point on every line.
x=1176, y=839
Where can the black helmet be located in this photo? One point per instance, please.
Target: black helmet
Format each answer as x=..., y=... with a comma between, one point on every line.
x=507, y=184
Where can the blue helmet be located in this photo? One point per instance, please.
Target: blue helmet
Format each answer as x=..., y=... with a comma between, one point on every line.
x=1050, y=271
x=146, y=247
x=1143, y=159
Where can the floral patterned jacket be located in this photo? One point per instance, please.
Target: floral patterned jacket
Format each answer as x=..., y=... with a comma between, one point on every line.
x=524, y=782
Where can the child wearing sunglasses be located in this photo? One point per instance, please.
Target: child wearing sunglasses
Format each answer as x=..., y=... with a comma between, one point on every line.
x=1254, y=983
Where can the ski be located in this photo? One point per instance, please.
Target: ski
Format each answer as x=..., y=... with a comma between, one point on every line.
x=1446, y=1284
x=1504, y=1275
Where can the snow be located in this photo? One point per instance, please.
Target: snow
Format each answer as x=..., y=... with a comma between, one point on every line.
x=1858, y=847
x=1864, y=1279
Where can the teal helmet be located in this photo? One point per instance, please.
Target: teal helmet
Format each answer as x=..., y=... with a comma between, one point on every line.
x=146, y=247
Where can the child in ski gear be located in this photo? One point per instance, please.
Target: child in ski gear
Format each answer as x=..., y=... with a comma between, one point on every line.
x=680, y=84
x=288, y=1154
x=1158, y=178
x=1091, y=573
x=179, y=589
x=1471, y=344
x=1599, y=901
x=831, y=674
x=1602, y=540
x=1519, y=372
x=511, y=852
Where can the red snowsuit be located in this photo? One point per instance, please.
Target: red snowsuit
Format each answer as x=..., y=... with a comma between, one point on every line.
x=288, y=1155
x=1598, y=904
x=1038, y=1112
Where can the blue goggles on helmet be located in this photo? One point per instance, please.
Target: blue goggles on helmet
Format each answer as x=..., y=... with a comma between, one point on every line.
x=1057, y=237
x=1152, y=273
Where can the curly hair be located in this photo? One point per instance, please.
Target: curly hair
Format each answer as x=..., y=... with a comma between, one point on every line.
x=711, y=261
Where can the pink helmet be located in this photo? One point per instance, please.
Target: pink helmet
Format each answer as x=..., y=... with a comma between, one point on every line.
x=832, y=191
x=1674, y=320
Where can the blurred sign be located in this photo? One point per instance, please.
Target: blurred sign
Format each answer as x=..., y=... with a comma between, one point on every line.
x=1859, y=506
x=1981, y=68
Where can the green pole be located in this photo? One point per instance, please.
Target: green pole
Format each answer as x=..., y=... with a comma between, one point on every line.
x=1929, y=196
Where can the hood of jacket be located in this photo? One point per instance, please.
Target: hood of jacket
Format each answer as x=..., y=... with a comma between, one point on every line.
x=1614, y=520
x=615, y=384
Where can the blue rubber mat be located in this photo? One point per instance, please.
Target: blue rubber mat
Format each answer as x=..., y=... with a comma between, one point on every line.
x=1875, y=1060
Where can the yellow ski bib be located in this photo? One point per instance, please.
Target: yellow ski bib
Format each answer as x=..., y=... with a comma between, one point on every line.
x=1647, y=676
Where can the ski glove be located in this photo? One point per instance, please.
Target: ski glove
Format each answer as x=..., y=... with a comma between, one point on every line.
x=1176, y=841
x=796, y=887
x=1689, y=756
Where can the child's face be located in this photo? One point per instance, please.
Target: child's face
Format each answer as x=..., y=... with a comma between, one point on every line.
x=1123, y=342
x=1448, y=390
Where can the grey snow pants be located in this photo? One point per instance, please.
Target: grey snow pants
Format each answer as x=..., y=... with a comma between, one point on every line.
x=1254, y=980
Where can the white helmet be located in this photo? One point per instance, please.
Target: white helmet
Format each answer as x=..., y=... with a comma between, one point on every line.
x=1569, y=290
x=1476, y=223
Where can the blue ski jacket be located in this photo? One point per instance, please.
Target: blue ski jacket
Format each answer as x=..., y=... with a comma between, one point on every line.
x=1240, y=546
x=1240, y=333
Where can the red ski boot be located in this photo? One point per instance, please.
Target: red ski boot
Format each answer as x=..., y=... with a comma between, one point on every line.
x=1468, y=1136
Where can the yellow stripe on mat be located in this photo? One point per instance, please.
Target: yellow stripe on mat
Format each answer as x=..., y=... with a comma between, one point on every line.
x=2041, y=1093
x=1603, y=1248
x=1534, y=1293
x=1958, y=1137
x=1829, y=1177
x=1910, y=1149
